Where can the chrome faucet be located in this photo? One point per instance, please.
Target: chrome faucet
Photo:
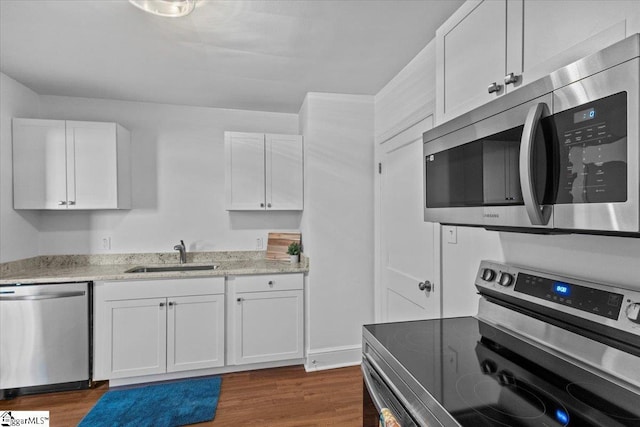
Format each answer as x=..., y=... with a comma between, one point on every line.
x=183, y=252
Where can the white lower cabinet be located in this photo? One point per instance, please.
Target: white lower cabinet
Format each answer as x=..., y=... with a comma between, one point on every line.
x=156, y=327
x=267, y=319
x=151, y=327
x=195, y=332
x=137, y=333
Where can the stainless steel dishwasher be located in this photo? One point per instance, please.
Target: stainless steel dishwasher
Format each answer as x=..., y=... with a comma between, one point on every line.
x=44, y=338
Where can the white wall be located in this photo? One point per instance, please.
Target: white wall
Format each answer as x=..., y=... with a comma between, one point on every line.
x=338, y=224
x=178, y=181
x=604, y=259
x=18, y=230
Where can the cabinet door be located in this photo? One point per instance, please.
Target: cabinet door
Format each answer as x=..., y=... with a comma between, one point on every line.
x=572, y=31
x=471, y=54
x=244, y=171
x=195, y=332
x=137, y=330
x=92, y=179
x=268, y=326
x=39, y=164
x=284, y=172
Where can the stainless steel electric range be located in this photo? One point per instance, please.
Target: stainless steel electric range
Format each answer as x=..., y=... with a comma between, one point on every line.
x=544, y=350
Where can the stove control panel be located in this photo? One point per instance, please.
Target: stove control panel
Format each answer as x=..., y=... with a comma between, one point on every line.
x=601, y=303
x=633, y=312
x=596, y=301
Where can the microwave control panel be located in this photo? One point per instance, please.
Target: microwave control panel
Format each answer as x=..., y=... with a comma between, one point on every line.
x=591, y=140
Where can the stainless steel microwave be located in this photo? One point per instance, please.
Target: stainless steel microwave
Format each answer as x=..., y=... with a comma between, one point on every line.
x=558, y=155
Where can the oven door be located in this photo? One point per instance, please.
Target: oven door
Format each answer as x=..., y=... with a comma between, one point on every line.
x=486, y=174
x=378, y=395
x=597, y=124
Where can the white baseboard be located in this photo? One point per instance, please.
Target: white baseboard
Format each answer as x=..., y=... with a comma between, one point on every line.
x=119, y=382
x=334, y=357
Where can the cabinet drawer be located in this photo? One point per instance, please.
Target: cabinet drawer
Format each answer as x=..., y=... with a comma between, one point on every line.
x=158, y=288
x=266, y=282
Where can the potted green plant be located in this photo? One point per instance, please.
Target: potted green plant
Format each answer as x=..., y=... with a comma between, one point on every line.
x=294, y=252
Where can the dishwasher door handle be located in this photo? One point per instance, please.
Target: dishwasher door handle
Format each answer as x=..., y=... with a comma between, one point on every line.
x=42, y=296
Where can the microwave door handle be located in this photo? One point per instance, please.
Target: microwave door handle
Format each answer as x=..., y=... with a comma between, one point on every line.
x=538, y=215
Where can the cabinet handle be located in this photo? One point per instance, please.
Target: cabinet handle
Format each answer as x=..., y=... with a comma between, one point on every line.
x=239, y=300
x=494, y=87
x=161, y=304
x=511, y=78
x=62, y=203
x=268, y=205
x=171, y=303
x=270, y=282
x=262, y=205
x=72, y=202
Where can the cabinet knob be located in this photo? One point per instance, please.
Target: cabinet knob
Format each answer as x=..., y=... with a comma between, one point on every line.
x=270, y=282
x=511, y=78
x=494, y=87
x=239, y=300
x=425, y=286
x=72, y=202
x=268, y=205
x=62, y=203
x=161, y=304
x=171, y=303
x=262, y=205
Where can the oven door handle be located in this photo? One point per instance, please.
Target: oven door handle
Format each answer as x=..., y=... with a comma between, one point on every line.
x=388, y=382
x=538, y=214
x=367, y=380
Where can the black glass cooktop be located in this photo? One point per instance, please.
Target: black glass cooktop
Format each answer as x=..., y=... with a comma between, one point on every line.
x=484, y=377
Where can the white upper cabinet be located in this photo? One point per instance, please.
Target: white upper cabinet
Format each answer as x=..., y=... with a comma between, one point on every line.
x=471, y=55
x=263, y=171
x=61, y=164
x=486, y=41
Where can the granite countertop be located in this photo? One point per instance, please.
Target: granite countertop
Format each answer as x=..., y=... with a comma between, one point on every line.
x=79, y=268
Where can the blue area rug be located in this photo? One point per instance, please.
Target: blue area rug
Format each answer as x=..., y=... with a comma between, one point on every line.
x=161, y=405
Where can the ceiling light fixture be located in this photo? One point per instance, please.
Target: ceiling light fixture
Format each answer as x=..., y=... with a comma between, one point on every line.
x=166, y=8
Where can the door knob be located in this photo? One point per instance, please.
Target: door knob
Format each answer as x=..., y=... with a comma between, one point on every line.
x=425, y=286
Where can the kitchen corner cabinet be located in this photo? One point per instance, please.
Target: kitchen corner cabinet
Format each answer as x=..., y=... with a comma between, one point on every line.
x=64, y=164
x=155, y=326
x=263, y=171
x=490, y=47
x=267, y=318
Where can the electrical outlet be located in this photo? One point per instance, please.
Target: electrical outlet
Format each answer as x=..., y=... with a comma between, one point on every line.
x=259, y=243
x=106, y=243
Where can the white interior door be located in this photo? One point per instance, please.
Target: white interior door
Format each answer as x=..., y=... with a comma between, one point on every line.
x=409, y=246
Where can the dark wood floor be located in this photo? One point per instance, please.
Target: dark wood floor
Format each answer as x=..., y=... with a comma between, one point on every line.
x=287, y=397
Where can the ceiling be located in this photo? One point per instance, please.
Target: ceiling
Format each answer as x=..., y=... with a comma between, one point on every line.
x=260, y=55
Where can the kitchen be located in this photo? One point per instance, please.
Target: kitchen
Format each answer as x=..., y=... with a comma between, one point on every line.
x=179, y=194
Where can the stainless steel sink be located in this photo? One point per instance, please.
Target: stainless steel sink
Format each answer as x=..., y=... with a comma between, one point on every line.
x=143, y=269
